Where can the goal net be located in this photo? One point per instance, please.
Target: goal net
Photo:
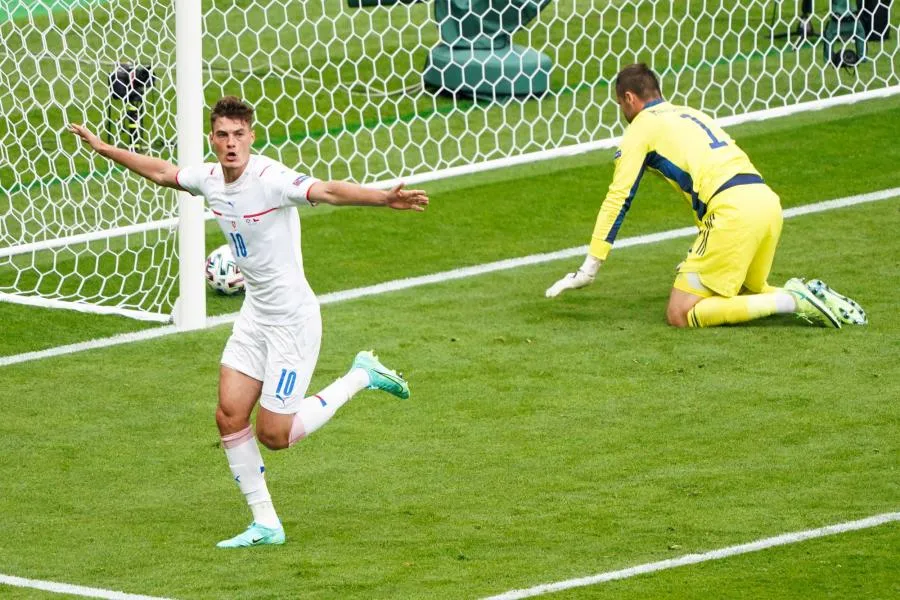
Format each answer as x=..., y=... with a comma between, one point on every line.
x=339, y=91
x=75, y=230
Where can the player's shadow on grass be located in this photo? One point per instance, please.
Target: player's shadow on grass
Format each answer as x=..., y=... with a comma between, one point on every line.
x=644, y=313
x=776, y=321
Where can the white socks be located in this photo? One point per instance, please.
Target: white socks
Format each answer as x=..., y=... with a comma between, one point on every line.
x=785, y=303
x=316, y=410
x=246, y=461
x=249, y=472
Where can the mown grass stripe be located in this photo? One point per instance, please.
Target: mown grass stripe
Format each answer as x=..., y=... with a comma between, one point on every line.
x=440, y=277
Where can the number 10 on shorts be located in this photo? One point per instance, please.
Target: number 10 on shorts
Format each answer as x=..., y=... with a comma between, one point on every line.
x=286, y=383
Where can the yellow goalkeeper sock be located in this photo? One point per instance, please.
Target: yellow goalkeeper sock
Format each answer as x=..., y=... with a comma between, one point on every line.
x=717, y=310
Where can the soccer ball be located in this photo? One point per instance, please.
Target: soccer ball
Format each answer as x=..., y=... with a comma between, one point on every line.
x=222, y=273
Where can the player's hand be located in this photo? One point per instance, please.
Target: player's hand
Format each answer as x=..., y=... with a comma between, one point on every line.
x=571, y=281
x=401, y=199
x=86, y=136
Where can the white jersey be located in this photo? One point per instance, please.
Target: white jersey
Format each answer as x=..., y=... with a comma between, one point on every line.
x=258, y=215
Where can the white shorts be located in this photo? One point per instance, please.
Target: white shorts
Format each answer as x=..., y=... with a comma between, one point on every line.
x=283, y=357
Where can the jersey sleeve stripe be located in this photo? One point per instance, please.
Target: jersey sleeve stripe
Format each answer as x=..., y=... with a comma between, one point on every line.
x=617, y=224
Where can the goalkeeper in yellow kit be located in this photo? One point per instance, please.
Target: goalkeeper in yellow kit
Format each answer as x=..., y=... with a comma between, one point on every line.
x=724, y=277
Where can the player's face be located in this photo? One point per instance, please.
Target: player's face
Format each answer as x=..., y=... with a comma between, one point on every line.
x=231, y=140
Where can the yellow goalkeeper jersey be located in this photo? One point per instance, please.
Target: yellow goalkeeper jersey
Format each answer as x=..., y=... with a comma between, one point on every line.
x=683, y=145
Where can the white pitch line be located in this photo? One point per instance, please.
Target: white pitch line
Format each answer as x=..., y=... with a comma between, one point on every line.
x=692, y=559
x=443, y=276
x=74, y=590
x=547, y=588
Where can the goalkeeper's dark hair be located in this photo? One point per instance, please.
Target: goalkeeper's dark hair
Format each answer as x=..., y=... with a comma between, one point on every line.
x=231, y=107
x=638, y=79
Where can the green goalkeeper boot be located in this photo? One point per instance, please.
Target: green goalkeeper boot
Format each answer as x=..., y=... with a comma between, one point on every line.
x=809, y=307
x=844, y=308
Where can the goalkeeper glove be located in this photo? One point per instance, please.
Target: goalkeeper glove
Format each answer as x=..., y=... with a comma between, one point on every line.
x=584, y=276
x=571, y=281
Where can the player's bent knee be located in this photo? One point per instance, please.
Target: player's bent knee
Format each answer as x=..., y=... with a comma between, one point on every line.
x=273, y=440
x=681, y=303
x=676, y=317
x=273, y=430
x=677, y=313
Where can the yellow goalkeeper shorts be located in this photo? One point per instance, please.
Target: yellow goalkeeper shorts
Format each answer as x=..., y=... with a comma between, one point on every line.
x=736, y=244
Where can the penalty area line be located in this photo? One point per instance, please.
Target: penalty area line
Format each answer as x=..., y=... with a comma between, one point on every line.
x=72, y=590
x=692, y=559
x=441, y=277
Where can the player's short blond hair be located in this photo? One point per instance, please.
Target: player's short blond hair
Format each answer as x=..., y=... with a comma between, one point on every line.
x=231, y=107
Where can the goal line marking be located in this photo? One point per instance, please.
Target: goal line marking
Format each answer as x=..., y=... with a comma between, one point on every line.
x=443, y=276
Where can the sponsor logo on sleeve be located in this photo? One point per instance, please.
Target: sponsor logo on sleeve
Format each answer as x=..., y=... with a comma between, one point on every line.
x=300, y=180
x=617, y=155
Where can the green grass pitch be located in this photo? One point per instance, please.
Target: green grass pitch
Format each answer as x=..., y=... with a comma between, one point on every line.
x=544, y=440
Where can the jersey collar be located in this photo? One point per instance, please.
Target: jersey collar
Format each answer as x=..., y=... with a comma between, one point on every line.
x=653, y=103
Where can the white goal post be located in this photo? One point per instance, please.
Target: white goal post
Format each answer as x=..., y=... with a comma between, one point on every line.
x=351, y=89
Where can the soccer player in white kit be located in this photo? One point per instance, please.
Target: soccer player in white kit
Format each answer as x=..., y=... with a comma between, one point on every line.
x=273, y=348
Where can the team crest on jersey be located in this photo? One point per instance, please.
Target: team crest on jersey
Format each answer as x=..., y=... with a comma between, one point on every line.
x=617, y=155
x=234, y=225
x=300, y=180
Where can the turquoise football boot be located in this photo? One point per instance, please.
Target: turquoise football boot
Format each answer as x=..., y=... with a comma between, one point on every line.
x=255, y=535
x=380, y=377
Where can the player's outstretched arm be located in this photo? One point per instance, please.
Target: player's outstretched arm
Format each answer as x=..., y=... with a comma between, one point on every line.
x=584, y=276
x=157, y=170
x=344, y=193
